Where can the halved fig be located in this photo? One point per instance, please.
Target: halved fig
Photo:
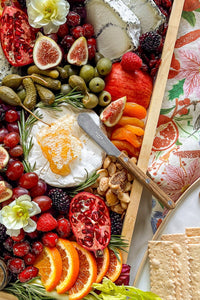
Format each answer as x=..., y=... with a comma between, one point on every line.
x=111, y=115
x=5, y=192
x=78, y=53
x=4, y=157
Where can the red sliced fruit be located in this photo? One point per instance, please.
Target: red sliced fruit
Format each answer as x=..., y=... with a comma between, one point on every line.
x=90, y=221
x=166, y=134
x=46, y=53
x=137, y=86
x=113, y=112
x=78, y=52
x=4, y=157
x=17, y=36
x=5, y=192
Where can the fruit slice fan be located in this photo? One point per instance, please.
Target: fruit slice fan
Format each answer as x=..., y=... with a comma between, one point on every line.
x=52, y=215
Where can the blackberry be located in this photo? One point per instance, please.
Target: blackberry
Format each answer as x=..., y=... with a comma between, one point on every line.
x=22, y=3
x=116, y=223
x=60, y=199
x=3, y=234
x=151, y=42
x=2, y=112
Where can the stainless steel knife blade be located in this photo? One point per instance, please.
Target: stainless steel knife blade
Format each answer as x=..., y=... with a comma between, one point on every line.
x=89, y=126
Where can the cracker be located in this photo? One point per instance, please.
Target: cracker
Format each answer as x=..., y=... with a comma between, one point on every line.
x=162, y=275
x=181, y=267
x=193, y=239
x=194, y=260
x=192, y=231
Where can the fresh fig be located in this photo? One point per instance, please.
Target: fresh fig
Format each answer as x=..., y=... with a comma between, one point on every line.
x=5, y=191
x=4, y=157
x=113, y=112
x=78, y=53
x=46, y=53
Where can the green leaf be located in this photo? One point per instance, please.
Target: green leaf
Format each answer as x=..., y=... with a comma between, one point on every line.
x=190, y=17
x=177, y=90
x=197, y=10
x=178, y=143
x=165, y=111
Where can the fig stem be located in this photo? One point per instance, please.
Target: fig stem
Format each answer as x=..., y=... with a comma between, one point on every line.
x=24, y=107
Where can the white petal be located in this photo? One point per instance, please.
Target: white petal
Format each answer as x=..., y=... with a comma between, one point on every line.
x=13, y=232
x=50, y=28
x=35, y=209
x=31, y=226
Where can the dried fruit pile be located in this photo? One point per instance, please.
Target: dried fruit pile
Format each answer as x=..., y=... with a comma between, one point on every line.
x=62, y=234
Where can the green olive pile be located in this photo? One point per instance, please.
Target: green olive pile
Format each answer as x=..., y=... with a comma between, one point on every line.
x=39, y=85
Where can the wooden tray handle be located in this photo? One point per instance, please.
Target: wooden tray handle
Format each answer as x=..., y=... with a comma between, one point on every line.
x=146, y=181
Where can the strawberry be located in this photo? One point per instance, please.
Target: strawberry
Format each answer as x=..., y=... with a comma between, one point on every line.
x=137, y=86
x=46, y=222
x=131, y=61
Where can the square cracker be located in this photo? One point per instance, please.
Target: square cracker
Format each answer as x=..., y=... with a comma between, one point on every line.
x=181, y=267
x=162, y=275
x=192, y=231
x=194, y=259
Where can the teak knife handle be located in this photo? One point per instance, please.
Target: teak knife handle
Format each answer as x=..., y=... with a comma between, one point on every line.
x=146, y=181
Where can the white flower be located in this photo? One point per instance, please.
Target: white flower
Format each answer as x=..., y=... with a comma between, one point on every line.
x=49, y=14
x=18, y=215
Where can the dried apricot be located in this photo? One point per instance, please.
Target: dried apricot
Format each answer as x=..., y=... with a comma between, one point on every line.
x=124, y=145
x=122, y=133
x=125, y=120
x=134, y=110
x=135, y=129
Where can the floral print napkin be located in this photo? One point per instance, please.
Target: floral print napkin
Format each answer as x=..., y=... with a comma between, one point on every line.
x=175, y=159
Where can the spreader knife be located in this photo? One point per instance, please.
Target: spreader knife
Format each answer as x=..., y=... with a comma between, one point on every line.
x=89, y=126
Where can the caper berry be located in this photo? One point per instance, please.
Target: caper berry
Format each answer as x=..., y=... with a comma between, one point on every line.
x=90, y=100
x=104, y=66
x=96, y=85
x=104, y=98
x=87, y=72
x=22, y=94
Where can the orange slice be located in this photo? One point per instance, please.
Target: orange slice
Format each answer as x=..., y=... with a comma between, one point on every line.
x=49, y=263
x=70, y=263
x=87, y=273
x=102, y=265
x=115, y=266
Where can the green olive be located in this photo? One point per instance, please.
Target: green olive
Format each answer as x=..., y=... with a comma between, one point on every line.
x=104, y=98
x=98, y=56
x=71, y=70
x=104, y=66
x=90, y=100
x=65, y=89
x=96, y=85
x=87, y=72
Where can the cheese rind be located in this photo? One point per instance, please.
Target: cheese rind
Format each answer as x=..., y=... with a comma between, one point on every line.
x=148, y=13
x=117, y=28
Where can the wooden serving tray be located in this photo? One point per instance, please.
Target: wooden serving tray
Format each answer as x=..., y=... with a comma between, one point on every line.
x=151, y=124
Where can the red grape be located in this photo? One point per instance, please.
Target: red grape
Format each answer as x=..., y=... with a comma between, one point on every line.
x=39, y=189
x=11, y=139
x=3, y=133
x=44, y=202
x=19, y=191
x=15, y=170
x=11, y=116
x=12, y=127
x=28, y=180
x=16, y=151
x=63, y=30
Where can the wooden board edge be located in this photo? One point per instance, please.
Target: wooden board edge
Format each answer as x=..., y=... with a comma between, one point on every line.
x=151, y=124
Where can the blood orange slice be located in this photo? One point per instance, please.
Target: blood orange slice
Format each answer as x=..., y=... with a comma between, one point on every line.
x=87, y=273
x=70, y=265
x=49, y=263
x=115, y=266
x=166, y=134
x=102, y=265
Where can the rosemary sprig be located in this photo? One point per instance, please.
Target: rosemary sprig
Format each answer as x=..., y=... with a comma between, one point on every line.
x=88, y=182
x=73, y=98
x=28, y=291
x=118, y=242
x=24, y=130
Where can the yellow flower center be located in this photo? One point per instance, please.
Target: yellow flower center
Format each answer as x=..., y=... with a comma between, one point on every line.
x=20, y=212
